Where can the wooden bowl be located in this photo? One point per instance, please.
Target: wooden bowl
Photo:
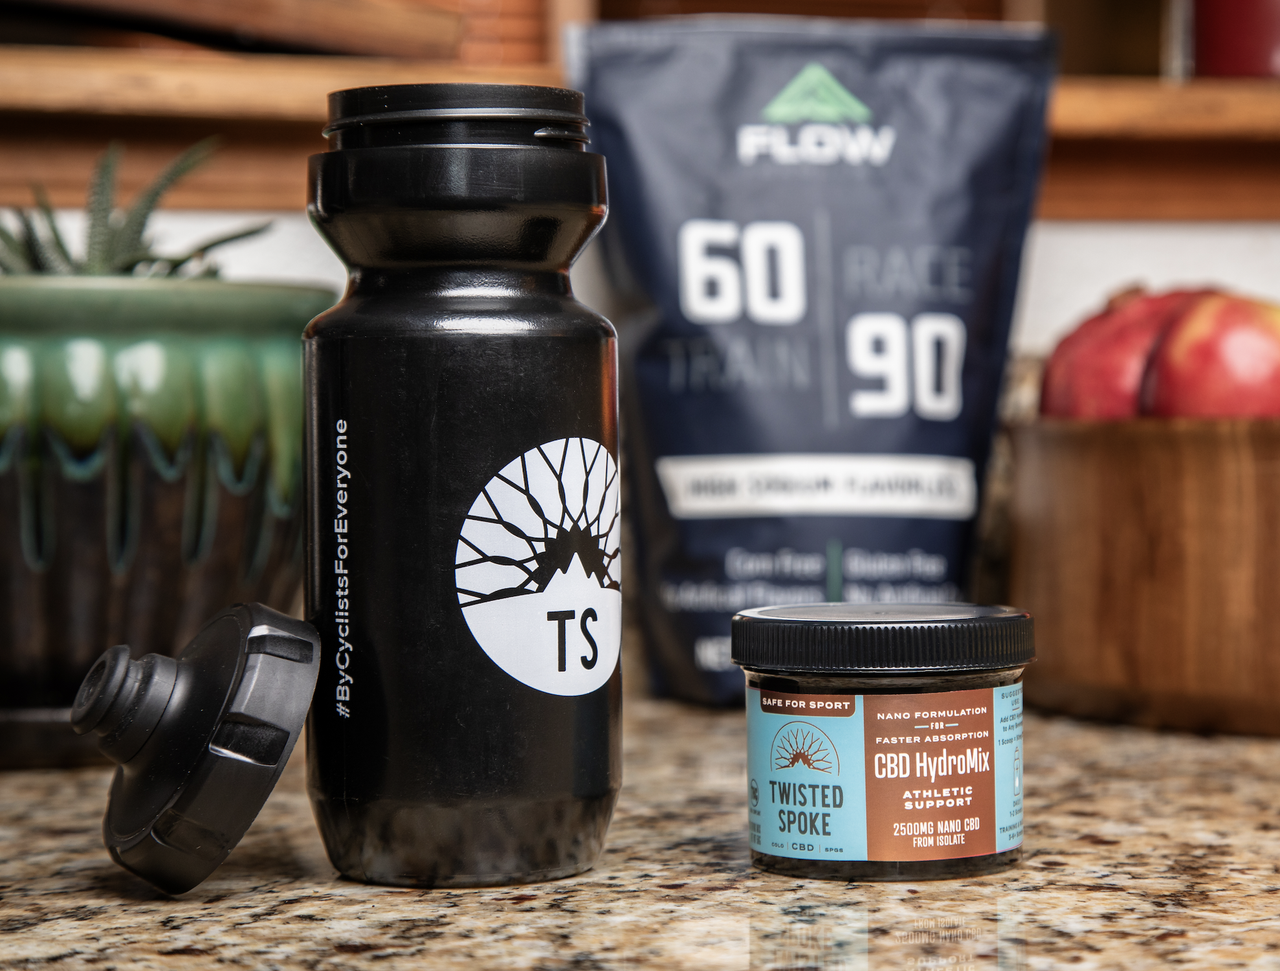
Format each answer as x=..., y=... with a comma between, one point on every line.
x=1148, y=552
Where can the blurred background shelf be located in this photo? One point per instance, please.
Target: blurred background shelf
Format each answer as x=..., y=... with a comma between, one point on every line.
x=1143, y=148
x=1138, y=109
x=1122, y=148
x=212, y=84
x=60, y=106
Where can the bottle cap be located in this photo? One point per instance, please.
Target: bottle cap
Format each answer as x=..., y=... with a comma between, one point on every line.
x=401, y=104
x=201, y=739
x=879, y=639
x=507, y=162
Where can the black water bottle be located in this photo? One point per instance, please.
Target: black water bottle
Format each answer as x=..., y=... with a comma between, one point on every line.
x=462, y=492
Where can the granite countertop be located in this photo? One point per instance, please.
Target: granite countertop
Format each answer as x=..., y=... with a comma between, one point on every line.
x=1143, y=850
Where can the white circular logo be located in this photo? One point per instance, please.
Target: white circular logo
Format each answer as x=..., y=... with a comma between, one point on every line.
x=537, y=567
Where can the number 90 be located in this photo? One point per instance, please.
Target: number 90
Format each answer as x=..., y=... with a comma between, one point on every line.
x=923, y=363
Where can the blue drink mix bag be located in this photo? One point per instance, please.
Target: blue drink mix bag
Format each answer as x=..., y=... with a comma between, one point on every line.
x=825, y=220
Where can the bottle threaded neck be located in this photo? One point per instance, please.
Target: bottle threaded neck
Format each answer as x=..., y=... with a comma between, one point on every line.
x=456, y=114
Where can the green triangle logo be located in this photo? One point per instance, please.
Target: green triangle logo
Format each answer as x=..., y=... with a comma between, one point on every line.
x=815, y=95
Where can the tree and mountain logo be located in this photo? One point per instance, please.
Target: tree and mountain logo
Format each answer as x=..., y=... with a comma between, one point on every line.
x=834, y=126
x=537, y=567
x=803, y=745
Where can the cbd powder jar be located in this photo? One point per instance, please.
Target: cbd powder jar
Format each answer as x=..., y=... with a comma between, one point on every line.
x=884, y=742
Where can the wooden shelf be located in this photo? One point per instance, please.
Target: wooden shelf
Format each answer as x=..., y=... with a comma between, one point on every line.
x=388, y=28
x=244, y=87
x=1140, y=109
x=61, y=106
x=1120, y=149
x=1147, y=149
x=292, y=88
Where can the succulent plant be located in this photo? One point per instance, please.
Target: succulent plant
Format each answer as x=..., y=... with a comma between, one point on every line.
x=115, y=240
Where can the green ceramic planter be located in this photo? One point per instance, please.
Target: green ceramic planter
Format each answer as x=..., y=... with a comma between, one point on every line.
x=150, y=474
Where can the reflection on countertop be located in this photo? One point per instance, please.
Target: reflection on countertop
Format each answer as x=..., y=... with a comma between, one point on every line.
x=1143, y=850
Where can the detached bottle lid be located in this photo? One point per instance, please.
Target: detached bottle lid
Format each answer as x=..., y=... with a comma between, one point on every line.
x=877, y=639
x=201, y=739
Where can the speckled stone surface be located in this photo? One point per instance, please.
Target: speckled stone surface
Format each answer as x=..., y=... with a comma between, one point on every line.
x=1144, y=850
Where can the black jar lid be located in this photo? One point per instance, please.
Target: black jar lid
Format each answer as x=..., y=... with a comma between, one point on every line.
x=877, y=639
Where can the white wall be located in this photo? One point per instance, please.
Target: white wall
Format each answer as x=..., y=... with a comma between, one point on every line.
x=291, y=251
x=1069, y=269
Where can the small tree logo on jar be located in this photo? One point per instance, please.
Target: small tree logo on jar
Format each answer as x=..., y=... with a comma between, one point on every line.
x=799, y=744
x=537, y=567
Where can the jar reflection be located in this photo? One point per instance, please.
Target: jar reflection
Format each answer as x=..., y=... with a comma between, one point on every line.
x=887, y=935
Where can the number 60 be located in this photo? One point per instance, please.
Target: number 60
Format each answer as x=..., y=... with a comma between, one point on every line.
x=771, y=277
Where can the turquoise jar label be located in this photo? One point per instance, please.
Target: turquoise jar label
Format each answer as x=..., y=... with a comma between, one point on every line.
x=885, y=776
